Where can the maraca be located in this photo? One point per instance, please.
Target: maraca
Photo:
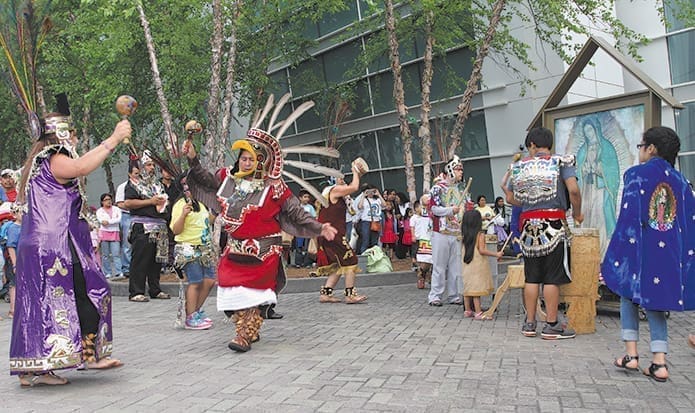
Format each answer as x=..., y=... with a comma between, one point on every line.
x=192, y=127
x=126, y=106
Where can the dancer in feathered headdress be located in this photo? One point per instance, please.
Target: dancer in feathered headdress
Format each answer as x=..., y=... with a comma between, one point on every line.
x=63, y=314
x=256, y=206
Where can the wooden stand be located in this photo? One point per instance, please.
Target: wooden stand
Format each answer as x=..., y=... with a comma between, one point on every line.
x=514, y=279
x=580, y=295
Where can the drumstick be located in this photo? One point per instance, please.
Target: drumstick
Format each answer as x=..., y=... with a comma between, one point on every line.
x=505, y=243
x=468, y=185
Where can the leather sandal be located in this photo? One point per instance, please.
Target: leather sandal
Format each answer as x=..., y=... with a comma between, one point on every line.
x=622, y=363
x=48, y=379
x=653, y=368
x=140, y=298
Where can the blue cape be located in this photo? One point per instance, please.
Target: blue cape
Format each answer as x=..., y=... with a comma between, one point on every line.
x=651, y=256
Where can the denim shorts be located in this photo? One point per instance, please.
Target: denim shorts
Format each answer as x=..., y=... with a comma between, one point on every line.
x=195, y=272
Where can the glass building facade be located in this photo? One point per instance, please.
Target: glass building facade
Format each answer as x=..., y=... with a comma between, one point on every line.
x=373, y=131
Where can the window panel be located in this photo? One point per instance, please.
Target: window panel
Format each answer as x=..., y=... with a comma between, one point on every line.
x=681, y=51
x=311, y=30
x=411, y=84
x=474, y=136
x=394, y=179
x=361, y=105
x=382, y=89
x=307, y=77
x=362, y=145
x=671, y=10
x=390, y=147
x=686, y=164
x=310, y=119
x=367, y=8
x=407, y=51
x=451, y=74
x=278, y=83
x=340, y=62
x=335, y=21
x=481, y=173
x=685, y=126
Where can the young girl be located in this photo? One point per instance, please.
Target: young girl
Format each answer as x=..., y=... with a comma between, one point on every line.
x=477, y=277
x=422, y=231
x=109, y=237
x=389, y=237
x=194, y=253
x=407, y=239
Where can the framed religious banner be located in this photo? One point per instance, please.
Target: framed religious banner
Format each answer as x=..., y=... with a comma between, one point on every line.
x=603, y=135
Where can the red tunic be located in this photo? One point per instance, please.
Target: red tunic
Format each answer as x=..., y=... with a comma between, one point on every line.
x=335, y=255
x=254, y=217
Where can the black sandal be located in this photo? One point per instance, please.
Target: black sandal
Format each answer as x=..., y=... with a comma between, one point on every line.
x=653, y=368
x=626, y=359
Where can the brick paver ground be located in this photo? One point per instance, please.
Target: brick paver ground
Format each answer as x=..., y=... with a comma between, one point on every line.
x=395, y=353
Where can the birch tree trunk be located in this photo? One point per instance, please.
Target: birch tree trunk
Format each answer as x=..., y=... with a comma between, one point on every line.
x=425, y=131
x=399, y=100
x=229, y=85
x=172, y=142
x=211, y=157
x=464, y=108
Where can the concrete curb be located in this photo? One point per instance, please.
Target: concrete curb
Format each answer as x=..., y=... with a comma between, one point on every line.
x=308, y=285
x=295, y=285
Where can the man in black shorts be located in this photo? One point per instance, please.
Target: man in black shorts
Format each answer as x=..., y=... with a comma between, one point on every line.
x=543, y=185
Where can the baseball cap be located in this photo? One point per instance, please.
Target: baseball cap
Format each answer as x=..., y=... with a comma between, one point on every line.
x=7, y=171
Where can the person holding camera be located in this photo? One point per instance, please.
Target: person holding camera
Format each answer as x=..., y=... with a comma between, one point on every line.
x=370, y=206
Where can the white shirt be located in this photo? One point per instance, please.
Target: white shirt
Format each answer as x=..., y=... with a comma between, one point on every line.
x=114, y=220
x=422, y=227
x=371, y=209
x=120, y=196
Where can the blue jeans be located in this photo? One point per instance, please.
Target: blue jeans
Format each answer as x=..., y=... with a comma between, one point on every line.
x=110, y=257
x=348, y=231
x=195, y=272
x=368, y=238
x=126, y=252
x=629, y=322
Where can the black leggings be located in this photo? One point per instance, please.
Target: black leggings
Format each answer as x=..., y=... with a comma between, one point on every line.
x=88, y=314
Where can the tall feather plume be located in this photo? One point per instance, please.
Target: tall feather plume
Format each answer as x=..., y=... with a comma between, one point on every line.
x=314, y=150
x=304, y=184
x=22, y=33
x=308, y=166
x=281, y=104
x=275, y=126
x=293, y=116
x=268, y=105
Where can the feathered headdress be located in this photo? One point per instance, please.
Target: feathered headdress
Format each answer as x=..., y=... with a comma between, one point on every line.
x=270, y=156
x=22, y=34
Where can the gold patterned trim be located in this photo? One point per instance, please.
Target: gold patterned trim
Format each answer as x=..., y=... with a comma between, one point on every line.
x=57, y=268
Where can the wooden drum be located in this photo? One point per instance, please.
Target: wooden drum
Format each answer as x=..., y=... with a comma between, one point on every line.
x=581, y=294
x=516, y=276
